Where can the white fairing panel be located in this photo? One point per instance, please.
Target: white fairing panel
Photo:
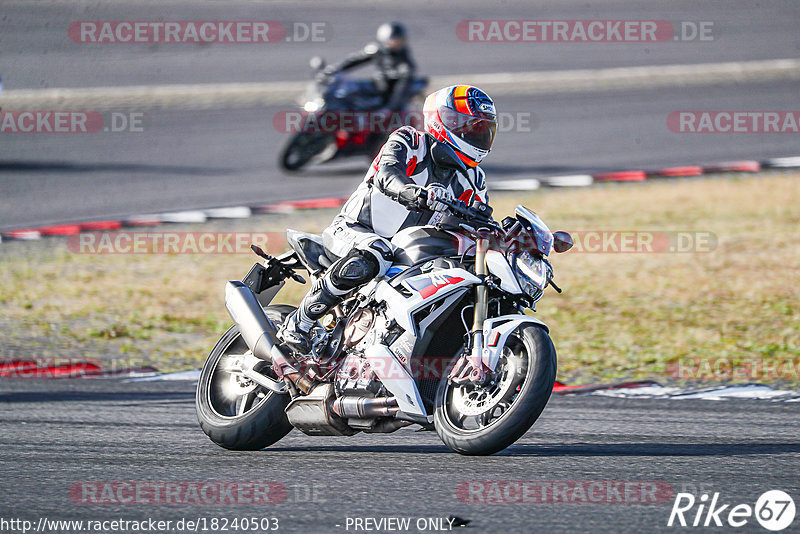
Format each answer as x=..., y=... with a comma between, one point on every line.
x=499, y=267
x=425, y=289
x=496, y=332
x=396, y=378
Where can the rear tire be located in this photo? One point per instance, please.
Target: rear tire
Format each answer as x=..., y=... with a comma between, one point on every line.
x=524, y=410
x=264, y=423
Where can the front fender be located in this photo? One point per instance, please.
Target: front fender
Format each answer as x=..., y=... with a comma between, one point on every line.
x=496, y=332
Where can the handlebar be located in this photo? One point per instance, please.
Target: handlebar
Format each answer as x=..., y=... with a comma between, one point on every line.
x=460, y=208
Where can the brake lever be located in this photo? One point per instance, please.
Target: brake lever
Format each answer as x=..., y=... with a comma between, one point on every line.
x=260, y=252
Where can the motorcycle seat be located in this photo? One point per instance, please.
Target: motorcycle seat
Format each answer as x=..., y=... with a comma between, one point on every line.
x=309, y=250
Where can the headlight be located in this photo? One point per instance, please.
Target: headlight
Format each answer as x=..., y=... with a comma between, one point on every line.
x=531, y=273
x=313, y=105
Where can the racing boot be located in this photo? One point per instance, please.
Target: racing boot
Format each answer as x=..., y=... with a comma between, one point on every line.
x=297, y=328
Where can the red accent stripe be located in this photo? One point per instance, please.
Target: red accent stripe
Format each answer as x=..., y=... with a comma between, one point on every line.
x=621, y=176
x=61, y=229
x=733, y=166
x=678, y=171
x=466, y=160
x=314, y=203
x=412, y=164
x=100, y=225
x=84, y=369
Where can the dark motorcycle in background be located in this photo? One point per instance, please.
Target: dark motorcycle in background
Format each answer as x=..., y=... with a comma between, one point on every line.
x=340, y=117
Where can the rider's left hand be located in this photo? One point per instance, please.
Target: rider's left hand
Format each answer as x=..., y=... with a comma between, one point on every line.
x=437, y=193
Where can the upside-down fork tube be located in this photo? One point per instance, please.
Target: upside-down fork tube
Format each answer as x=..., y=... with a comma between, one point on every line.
x=481, y=309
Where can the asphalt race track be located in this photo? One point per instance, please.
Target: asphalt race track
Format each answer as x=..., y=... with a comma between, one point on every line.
x=57, y=434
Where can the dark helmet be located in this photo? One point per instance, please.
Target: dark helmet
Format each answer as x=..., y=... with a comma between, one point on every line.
x=392, y=35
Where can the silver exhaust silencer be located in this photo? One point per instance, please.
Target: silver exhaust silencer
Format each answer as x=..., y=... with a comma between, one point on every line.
x=257, y=330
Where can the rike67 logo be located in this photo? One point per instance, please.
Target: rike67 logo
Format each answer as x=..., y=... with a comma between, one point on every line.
x=774, y=510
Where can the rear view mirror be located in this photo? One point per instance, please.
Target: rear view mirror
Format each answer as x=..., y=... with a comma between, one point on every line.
x=562, y=241
x=444, y=156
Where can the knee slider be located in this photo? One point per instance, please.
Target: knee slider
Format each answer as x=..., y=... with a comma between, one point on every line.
x=354, y=270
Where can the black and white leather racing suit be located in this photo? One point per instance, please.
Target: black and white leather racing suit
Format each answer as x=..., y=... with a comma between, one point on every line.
x=388, y=200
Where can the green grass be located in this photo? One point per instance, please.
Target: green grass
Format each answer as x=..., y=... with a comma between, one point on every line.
x=621, y=315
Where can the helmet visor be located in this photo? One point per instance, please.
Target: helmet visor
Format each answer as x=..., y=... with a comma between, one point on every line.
x=477, y=130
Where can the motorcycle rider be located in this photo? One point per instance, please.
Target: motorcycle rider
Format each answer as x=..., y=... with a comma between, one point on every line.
x=404, y=187
x=392, y=59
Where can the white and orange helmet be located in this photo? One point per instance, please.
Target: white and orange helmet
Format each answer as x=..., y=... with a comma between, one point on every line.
x=465, y=118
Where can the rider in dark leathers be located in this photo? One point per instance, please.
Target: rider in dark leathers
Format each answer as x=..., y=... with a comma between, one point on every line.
x=393, y=63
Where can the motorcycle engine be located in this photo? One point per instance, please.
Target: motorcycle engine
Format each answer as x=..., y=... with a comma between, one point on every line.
x=355, y=377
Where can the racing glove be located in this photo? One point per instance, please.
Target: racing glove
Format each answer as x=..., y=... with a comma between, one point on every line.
x=413, y=197
x=437, y=193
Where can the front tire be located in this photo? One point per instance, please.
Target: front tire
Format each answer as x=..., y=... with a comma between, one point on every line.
x=233, y=413
x=301, y=149
x=526, y=375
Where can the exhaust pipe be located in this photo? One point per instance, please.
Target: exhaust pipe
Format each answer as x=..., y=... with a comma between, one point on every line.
x=257, y=330
x=351, y=406
x=259, y=333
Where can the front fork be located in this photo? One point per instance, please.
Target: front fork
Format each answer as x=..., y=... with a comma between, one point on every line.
x=470, y=367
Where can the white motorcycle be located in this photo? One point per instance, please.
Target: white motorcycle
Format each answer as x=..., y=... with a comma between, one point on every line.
x=441, y=341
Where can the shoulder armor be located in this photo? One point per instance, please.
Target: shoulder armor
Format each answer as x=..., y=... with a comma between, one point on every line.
x=408, y=135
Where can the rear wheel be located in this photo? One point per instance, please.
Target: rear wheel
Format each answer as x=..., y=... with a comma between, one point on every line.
x=484, y=420
x=235, y=412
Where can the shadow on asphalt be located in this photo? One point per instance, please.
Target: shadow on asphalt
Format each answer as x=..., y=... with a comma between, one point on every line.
x=602, y=449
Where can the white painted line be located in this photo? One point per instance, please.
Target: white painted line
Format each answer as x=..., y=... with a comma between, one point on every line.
x=573, y=180
x=527, y=184
x=749, y=391
x=788, y=162
x=235, y=212
x=222, y=95
x=188, y=376
x=183, y=217
x=26, y=235
x=744, y=391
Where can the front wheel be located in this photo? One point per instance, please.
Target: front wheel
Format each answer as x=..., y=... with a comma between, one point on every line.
x=301, y=149
x=235, y=412
x=482, y=420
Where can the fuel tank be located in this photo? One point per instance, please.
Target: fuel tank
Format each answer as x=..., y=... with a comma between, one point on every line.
x=420, y=243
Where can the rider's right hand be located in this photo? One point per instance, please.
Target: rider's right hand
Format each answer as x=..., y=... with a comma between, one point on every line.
x=413, y=197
